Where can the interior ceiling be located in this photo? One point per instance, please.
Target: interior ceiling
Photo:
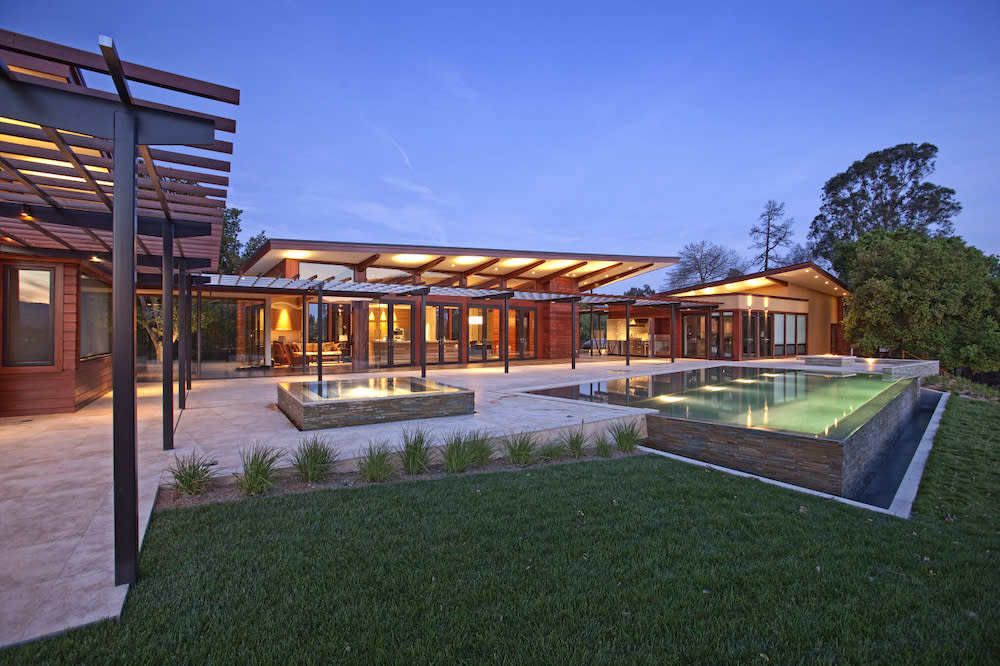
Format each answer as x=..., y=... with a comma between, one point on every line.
x=52, y=168
x=441, y=266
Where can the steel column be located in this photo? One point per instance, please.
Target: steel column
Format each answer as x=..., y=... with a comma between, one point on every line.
x=591, y=331
x=305, y=331
x=182, y=323
x=167, y=334
x=506, y=334
x=187, y=329
x=628, y=334
x=423, y=335
x=199, y=333
x=320, y=332
x=673, y=331
x=574, y=332
x=126, y=483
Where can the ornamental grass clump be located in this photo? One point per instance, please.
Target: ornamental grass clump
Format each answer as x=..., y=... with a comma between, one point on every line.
x=479, y=447
x=625, y=436
x=314, y=458
x=260, y=461
x=191, y=473
x=415, y=453
x=602, y=447
x=520, y=448
x=375, y=463
x=551, y=451
x=574, y=441
x=455, y=454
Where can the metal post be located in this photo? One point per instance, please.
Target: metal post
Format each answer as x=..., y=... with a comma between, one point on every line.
x=591, y=331
x=574, y=332
x=187, y=329
x=673, y=330
x=199, y=332
x=320, y=333
x=628, y=334
x=167, y=339
x=423, y=335
x=305, y=331
x=126, y=482
x=182, y=322
x=506, y=342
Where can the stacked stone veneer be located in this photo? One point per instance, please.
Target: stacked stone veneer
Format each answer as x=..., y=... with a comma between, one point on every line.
x=361, y=411
x=830, y=466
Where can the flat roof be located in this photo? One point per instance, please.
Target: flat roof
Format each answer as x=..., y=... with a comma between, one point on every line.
x=446, y=266
x=56, y=184
x=807, y=275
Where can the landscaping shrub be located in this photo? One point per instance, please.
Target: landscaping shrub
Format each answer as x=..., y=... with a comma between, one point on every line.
x=375, y=463
x=479, y=446
x=314, y=458
x=259, y=464
x=625, y=436
x=574, y=442
x=415, y=453
x=520, y=448
x=456, y=455
x=603, y=447
x=191, y=473
x=551, y=451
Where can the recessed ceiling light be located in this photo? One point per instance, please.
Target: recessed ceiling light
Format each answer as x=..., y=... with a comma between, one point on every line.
x=516, y=261
x=412, y=258
x=297, y=254
x=468, y=260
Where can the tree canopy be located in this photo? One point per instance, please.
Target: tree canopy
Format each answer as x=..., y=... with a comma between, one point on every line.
x=233, y=252
x=770, y=233
x=640, y=292
x=886, y=190
x=933, y=297
x=704, y=261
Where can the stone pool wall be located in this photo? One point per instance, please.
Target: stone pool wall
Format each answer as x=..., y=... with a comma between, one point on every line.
x=866, y=449
x=827, y=465
x=361, y=411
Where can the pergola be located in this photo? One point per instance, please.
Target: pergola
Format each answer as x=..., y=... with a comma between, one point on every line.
x=80, y=177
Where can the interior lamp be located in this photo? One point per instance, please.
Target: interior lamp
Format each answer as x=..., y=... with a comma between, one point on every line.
x=475, y=320
x=284, y=322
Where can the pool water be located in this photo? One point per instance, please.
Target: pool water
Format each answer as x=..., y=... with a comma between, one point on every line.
x=798, y=401
x=371, y=387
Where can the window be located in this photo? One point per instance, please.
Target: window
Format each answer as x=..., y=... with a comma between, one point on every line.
x=779, y=335
x=95, y=317
x=800, y=334
x=29, y=316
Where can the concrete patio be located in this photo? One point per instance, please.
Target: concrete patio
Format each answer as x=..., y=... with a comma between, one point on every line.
x=56, y=529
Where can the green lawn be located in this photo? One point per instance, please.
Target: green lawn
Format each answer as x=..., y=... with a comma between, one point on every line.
x=635, y=560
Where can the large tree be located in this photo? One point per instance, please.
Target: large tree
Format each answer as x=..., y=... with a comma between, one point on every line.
x=704, y=261
x=932, y=297
x=233, y=252
x=771, y=232
x=886, y=190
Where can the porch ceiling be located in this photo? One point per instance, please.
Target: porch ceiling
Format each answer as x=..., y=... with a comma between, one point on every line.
x=451, y=266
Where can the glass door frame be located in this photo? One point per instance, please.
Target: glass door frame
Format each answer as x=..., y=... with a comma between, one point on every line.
x=518, y=315
x=482, y=357
x=440, y=324
x=390, y=314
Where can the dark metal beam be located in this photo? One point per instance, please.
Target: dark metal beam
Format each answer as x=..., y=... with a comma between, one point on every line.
x=71, y=157
x=182, y=323
x=628, y=334
x=574, y=332
x=88, y=113
x=146, y=226
x=423, y=335
x=320, y=333
x=126, y=484
x=506, y=346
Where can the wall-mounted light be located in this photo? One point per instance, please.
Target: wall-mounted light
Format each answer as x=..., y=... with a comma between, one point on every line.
x=26, y=213
x=284, y=321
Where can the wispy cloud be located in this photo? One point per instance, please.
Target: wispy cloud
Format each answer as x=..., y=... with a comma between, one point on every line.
x=395, y=144
x=409, y=186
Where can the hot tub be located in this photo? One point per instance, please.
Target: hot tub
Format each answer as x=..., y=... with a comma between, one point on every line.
x=350, y=402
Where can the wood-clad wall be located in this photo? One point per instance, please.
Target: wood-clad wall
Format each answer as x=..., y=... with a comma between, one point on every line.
x=69, y=383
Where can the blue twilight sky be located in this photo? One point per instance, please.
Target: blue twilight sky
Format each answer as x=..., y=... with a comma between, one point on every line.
x=619, y=127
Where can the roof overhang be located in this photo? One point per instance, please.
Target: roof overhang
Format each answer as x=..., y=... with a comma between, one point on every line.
x=807, y=275
x=451, y=266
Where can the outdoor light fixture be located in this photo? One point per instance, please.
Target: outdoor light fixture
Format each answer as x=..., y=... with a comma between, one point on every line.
x=468, y=260
x=297, y=254
x=412, y=258
x=26, y=213
x=516, y=261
